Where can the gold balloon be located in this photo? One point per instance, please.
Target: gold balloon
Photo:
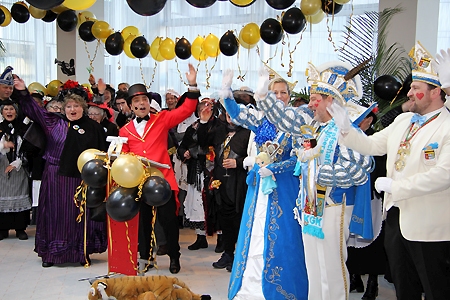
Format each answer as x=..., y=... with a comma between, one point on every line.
x=127, y=171
x=242, y=3
x=250, y=34
x=126, y=46
x=36, y=86
x=53, y=87
x=8, y=16
x=196, y=49
x=154, y=49
x=167, y=49
x=85, y=16
x=211, y=45
x=244, y=44
x=36, y=12
x=59, y=9
x=86, y=156
x=342, y=2
x=79, y=4
x=317, y=18
x=152, y=171
x=101, y=30
x=130, y=30
x=310, y=7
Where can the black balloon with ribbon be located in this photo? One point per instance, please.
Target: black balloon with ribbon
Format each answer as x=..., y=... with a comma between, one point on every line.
x=67, y=20
x=95, y=196
x=156, y=191
x=271, y=31
x=280, y=4
x=20, y=13
x=330, y=7
x=293, y=20
x=50, y=16
x=183, y=48
x=85, y=31
x=139, y=47
x=45, y=4
x=201, y=3
x=146, y=7
x=406, y=86
x=114, y=44
x=229, y=44
x=98, y=213
x=386, y=87
x=94, y=173
x=122, y=205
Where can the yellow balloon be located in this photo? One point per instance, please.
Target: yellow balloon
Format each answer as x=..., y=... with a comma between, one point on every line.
x=342, y=2
x=127, y=171
x=167, y=49
x=36, y=86
x=126, y=46
x=86, y=16
x=36, y=12
x=310, y=7
x=86, y=156
x=196, y=49
x=317, y=18
x=101, y=30
x=53, y=87
x=242, y=3
x=244, y=44
x=154, y=49
x=250, y=34
x=59, y=9
x=79, y=4
x=130, y=30
x=8, y=16
x=152, y=171
x=211, y=45
x=88, y=86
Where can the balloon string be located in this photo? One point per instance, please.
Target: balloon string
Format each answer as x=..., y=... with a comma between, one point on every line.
x=349, y=28
x=81, y=189
x=330, y=38
x=91, y=66
x=179, y=73
x=291, y=53
x=142, y=74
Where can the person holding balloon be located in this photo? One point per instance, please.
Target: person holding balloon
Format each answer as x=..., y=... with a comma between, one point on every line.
x=59, y=237
x=147, y=136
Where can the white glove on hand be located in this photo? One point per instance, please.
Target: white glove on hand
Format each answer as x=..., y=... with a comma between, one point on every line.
x=340, y=117
x=263, y=84
x=249, y=161
x=264, y=172
x=304, y=155
x=383, y=184
x=441, y=65
x=227, y=80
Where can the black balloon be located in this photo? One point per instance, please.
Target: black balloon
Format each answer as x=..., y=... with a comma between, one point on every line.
x=67, y=20
x=94, y=173
x=98, y=213
x=156, y=191
x=146, y=7
x=229, y=44
x=139, y=47
x=327, y=7
x=293, y=20
x=50, y=16
x=20, y=13
x=85, y=31
x=45, y=4
x=201, y=3
x=386, y=87
x=121, y=204
x=280, y=4
x=114, y=44
x=406, y=86
x=183, y=48
x=95, y=196
x=2, y=16
x=271, y=31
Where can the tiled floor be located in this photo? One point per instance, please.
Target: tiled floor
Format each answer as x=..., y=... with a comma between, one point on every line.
x=22, y=276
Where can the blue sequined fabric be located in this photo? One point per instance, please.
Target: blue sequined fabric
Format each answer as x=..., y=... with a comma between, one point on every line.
x=265, y=132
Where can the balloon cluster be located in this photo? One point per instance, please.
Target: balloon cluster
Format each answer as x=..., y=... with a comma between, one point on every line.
x=130, y=176
x=387, y=87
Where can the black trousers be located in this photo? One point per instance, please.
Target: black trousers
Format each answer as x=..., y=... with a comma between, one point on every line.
x=416, y=267
x=231, y=221
x=168, y=219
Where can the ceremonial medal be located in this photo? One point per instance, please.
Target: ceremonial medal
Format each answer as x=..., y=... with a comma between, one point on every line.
x=76, y=127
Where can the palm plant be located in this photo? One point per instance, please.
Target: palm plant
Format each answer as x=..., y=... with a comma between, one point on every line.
x=2, y=47
x=365, y=39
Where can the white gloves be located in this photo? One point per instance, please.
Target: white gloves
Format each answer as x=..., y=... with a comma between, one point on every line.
x=340, y=117
x=227, y=80
x=304, y=155
x=249, y=161
x=264, y=172
x=263, y=84
x=442, y=66
x=383, y=184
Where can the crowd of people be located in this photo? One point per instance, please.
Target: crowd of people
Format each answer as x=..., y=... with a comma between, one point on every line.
x=303, y=195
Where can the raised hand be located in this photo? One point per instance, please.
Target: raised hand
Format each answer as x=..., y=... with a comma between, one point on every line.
x=191, y=76
x=19, y=84
x=442, y=66
x=101, y=86
x=263, y=84
x=340, y=117
x=227, y=80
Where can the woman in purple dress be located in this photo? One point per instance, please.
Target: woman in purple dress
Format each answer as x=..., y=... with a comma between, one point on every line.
x=59, y=237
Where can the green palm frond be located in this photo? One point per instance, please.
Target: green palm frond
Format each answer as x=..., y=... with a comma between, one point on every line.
x=2, y=47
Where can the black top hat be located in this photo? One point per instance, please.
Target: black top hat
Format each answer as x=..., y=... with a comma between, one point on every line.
x=138, y=89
